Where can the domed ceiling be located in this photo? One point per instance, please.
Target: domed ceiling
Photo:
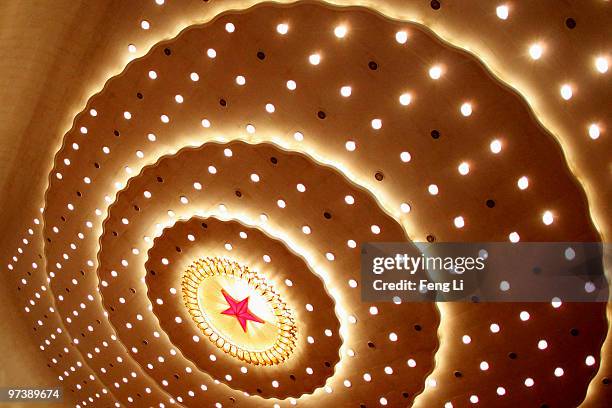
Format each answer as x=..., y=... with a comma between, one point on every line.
x=186, y=198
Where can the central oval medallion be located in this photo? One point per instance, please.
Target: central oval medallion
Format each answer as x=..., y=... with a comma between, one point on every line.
x=239, y=311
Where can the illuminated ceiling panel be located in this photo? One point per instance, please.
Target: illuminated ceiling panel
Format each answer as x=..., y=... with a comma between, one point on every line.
x=311, y=129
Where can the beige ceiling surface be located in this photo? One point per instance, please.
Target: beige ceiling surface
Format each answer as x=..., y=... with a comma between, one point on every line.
x=55, y=56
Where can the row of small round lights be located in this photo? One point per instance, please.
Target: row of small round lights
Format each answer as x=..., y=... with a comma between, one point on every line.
x=536, y=51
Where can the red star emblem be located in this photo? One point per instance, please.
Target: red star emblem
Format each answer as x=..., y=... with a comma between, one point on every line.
x=239, y=309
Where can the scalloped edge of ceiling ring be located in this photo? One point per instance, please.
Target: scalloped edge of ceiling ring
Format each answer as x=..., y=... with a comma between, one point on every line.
x=385, y=13
x=291, y=249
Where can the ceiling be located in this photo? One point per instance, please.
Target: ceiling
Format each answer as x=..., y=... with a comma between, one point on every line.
x=144, y=136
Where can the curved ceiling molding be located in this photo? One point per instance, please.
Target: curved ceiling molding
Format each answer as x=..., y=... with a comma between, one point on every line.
x=311, y=129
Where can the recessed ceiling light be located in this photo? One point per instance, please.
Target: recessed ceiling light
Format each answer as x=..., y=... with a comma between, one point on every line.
x=495, y=146
x=566, y=92
x=547, y=218
x=314, y=59
x=405, y=99
x=502, y=11
x=459, y=222
x=601, y=64
x=594, y=131
x=590, y=361
x=340, y=31
x=466, y=109
x=435, y=72
x=535, y=51
x=523, y=183
x=401, y=37
x=282, y=28
x=345, y=91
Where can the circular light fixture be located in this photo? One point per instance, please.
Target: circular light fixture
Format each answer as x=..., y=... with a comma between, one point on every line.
x=340, y=31
x=594, y=131
x=401, y=37
x=435, y=72
x=314, y=59
x=601, y=64
x=239, y=311
x=282, y=28
x=405, y=99
x=566, y=92
x=535, y=51
x=502, y=12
